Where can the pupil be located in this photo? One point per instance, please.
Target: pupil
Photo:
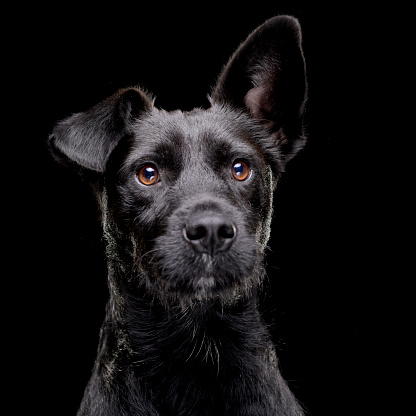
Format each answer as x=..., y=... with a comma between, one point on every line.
x=239, y=169
x=149, y=173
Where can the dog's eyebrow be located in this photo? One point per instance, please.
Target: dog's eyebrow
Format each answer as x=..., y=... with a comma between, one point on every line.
x=225, y=142
x=163, y=147
x=171, y=141
x=169, y=149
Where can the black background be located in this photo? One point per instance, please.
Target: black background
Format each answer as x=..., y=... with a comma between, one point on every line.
x=326, y=297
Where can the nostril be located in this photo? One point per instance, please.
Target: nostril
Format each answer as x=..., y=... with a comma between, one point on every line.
x=226, y=231
x=195, y=232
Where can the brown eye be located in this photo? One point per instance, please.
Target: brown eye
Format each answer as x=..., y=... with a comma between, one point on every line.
x=240, y=170
x=148, y=175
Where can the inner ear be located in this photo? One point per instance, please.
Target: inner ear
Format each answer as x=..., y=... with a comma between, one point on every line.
x=258, y=102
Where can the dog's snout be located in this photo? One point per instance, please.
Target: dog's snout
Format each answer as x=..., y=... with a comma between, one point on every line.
x=210, y=234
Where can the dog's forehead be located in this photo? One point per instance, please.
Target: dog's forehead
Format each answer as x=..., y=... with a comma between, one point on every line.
x=196, y=132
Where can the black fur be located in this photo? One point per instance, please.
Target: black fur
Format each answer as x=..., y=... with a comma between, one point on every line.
x=182, y=333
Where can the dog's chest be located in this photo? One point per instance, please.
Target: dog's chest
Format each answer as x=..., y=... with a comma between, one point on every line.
x=196, y=367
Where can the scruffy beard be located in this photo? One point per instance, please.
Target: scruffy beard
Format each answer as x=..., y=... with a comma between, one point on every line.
x=172, y=273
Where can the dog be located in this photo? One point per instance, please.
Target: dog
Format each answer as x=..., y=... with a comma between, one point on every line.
x=186, y=204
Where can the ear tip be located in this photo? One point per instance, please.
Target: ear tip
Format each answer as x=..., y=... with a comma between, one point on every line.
x=135, y=99
x=56, y=152
x=285, y=19
x=285, y=23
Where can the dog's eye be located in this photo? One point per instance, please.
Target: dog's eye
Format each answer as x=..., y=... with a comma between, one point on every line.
x=148, y=175
x=240, y=170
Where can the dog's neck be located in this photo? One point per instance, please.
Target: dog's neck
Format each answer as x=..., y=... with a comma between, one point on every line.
x=142, y=332
x=194, y=352
x=169, y=349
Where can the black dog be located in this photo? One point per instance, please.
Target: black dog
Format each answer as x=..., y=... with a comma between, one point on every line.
x=186, y=202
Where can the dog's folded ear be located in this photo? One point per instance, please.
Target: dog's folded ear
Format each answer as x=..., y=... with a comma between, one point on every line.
x=266, y=76
x=87, y=139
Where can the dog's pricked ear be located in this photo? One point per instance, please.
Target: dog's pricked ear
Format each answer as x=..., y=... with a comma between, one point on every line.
x=87, y=139
x=266, y=76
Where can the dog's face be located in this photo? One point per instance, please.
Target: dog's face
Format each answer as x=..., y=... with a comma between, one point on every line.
x=189, y=195
x=194, y=190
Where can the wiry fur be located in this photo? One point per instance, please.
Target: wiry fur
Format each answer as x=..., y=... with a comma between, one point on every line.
x=183, y=334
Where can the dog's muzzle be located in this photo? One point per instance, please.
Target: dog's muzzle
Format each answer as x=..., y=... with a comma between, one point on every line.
x=205, y=251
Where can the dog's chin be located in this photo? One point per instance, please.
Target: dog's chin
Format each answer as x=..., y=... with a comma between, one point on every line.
x=204, y=286
x=199, y=290
x=225, y=286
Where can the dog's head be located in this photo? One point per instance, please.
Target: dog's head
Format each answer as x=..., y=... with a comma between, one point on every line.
x=187, y=196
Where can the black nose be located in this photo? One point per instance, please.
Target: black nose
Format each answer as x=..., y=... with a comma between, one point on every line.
x=211, y=233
